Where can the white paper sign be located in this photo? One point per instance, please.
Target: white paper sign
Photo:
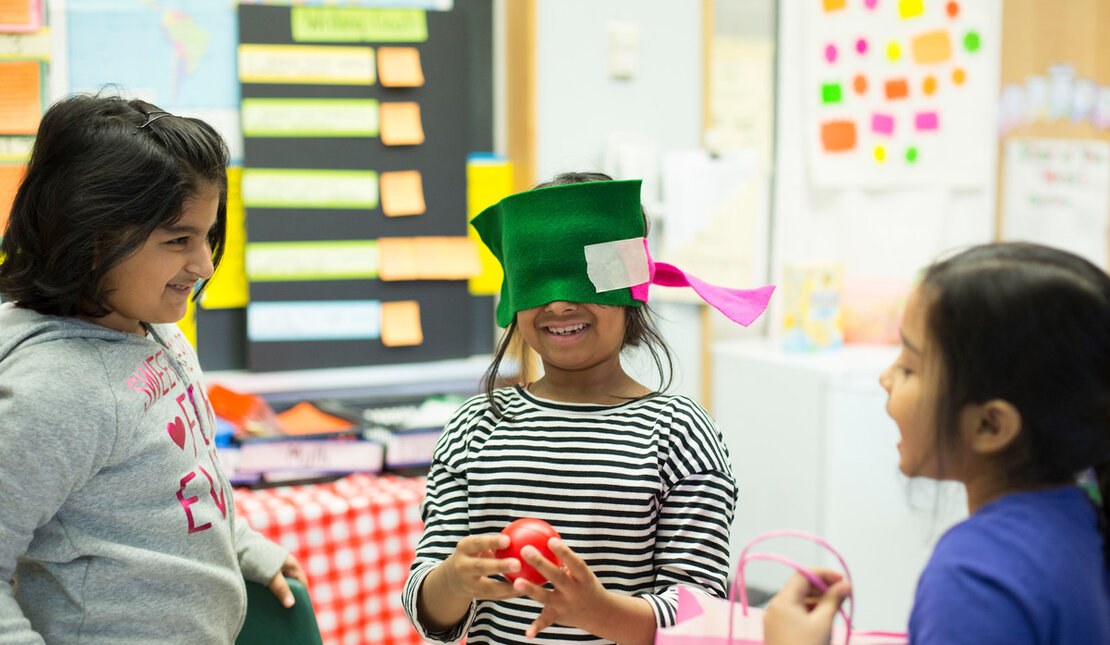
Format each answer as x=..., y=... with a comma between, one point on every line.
x=1057, y=192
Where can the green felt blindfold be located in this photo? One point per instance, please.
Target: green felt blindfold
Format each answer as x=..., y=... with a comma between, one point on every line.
x=543, y=234
x=585, y=243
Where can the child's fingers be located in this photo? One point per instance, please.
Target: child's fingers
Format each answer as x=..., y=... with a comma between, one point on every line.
x=796, y=589
x=280, y=588
x=495, y=590
x=574, y=564
x=830, y=601
x=292, y=569
x=474, y=545
x=542, y=622
x=547, y=568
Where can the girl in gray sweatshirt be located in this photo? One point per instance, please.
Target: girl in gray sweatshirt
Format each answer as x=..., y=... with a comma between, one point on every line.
x=116, y=522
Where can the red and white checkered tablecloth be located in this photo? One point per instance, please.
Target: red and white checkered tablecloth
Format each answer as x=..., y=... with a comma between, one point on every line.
x=356, y=538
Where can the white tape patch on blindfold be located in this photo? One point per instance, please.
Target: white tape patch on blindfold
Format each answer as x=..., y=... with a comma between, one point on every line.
x=617, y=265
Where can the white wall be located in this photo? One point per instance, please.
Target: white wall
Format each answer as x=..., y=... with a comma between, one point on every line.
x=579, y=105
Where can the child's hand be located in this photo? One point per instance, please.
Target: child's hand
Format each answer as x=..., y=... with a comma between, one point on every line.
x=278, y=585
x=467, y=571
x=577, y=595
x=801, y=614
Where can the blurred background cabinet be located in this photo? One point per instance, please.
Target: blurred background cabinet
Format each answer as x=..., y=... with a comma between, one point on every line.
x=813, y=449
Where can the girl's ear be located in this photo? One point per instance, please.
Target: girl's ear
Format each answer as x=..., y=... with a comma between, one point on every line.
x=990, y=427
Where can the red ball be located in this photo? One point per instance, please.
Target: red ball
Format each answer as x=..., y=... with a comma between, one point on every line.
x=521, y=533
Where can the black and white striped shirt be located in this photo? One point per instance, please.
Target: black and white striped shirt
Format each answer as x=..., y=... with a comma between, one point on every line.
x=642, y=491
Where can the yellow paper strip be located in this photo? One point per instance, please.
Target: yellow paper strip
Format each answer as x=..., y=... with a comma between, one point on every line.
x=488, y=181
x=306, y=64
x=309, y=117
x=358, y=24
x=310, y=188
x=294, y=261
x=228, y=288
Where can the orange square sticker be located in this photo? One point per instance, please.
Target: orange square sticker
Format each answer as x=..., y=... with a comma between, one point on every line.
x=401, y=324
x=400, y=124
x=400, y=67
x=402, y=193
x=20, y=96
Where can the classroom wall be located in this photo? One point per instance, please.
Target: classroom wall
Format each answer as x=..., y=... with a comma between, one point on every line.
x=889, y=232
x=579, y=105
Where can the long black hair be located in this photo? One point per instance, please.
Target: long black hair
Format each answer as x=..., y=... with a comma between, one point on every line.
x=104, y=173
x=639, y=330
x=1030, y=325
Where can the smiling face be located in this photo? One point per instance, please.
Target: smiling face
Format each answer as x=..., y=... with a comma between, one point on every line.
x=911, y=385
x=574, y=337
x=154, y=283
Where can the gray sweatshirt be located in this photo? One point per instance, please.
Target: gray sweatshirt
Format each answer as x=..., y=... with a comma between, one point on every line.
x=116, y=523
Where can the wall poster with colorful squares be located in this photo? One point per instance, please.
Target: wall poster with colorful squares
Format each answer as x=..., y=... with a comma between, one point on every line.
x=898, y=91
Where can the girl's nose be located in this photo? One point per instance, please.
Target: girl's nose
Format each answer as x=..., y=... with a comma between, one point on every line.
x=561, y=306
x=885, y=378
x=201, y=262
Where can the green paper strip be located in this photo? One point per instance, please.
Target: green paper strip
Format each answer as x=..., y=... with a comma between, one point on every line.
x=305, y=188
x=298, y=261
x=310, y=117
x=358, y=25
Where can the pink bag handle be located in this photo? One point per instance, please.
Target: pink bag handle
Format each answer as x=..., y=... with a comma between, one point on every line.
x=817, y=582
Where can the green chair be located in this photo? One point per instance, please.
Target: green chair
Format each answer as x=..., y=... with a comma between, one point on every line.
x=268, y=623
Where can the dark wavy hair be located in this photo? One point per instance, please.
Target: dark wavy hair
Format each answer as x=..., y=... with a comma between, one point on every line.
x=104, y=173
x=639, y=330
x=1030, y=325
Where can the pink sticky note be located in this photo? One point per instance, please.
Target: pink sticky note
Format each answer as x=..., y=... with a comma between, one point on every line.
x=882, y=123
x=926, y=121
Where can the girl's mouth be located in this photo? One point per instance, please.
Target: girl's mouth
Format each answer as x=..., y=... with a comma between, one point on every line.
x=567, y=330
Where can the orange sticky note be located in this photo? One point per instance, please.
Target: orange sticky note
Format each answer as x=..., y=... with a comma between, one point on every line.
x=400, y=67
x=837, y=136
x=305, y=418
x=397, y=259
x=932, y=47
x=833, y=5
x=20, y=96
x=10, y=176
x=402, y=193
x=447, y=258
x=401, y=323
x=400, y=124
x=897, y=89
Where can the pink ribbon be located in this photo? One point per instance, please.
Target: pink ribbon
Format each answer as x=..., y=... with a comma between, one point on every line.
x=739, y=305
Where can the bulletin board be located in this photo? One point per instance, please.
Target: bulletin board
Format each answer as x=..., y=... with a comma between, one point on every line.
x=895, y=90
x=343, y=268
x=1055, y=87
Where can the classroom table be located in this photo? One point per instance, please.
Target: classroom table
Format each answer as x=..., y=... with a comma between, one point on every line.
x=356, y=538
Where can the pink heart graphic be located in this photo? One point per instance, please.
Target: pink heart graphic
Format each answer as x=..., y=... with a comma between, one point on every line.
x=177, y=432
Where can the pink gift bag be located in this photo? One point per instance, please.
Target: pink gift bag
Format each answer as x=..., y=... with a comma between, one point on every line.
x=706, y=620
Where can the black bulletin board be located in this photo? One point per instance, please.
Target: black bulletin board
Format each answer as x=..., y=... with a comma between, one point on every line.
x=452, y=100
